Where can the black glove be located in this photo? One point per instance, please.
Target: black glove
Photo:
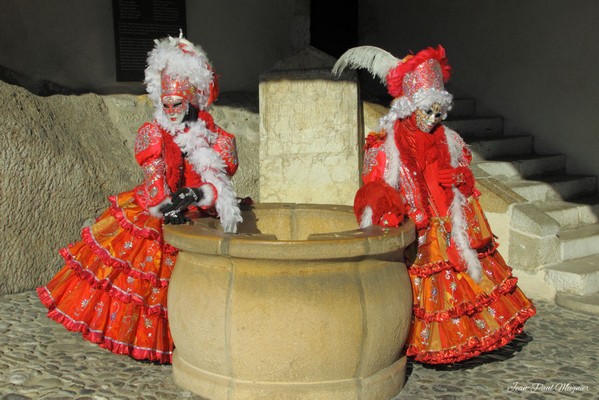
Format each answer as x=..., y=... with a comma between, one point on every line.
x=182, y=199
x=175, y=217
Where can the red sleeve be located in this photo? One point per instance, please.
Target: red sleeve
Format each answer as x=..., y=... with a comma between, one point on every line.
x=226, y=147
x=377, y=203
x=374, y=158
x=148, y=143
x=148, y=154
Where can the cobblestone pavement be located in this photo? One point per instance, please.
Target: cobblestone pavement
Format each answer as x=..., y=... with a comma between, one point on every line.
x=556, y=357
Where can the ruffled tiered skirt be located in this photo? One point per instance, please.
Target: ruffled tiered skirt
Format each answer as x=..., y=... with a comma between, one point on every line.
x=113, y=288
x=455, y=317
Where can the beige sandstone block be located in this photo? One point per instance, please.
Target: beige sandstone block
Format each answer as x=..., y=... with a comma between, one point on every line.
x=299, y=305
x=310, y=132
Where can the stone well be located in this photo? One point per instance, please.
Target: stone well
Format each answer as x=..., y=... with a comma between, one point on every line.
x=300, y=304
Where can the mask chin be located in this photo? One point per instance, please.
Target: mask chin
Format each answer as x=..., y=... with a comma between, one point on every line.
x=176, y=119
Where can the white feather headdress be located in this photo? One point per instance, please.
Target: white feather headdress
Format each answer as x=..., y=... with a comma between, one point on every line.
x=182, y=58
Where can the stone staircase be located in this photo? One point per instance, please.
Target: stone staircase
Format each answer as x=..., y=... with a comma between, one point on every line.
x=551, y=218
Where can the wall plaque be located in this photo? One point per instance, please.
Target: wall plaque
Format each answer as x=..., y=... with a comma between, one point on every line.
x=136, y=24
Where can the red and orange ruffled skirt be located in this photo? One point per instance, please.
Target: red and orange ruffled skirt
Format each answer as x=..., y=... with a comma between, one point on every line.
x=113, y=288
x=456, y=318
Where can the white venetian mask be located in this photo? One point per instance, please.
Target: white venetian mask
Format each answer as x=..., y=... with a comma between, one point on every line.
x=175, y=108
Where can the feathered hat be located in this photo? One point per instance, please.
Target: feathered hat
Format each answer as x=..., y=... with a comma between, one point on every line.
x=178, y=67
x=415, y=82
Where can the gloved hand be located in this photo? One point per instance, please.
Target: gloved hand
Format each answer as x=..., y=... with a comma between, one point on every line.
x=175, y=217
x=182, y=199
x=455, y=176
x=460, y=178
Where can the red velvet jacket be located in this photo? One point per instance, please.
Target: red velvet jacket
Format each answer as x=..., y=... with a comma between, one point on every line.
x=411, y=174
x=165, y=167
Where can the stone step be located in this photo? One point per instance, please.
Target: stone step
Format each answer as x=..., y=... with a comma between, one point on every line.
x=578, y=276
x=553, y=187
x=582, y=211
x=588, y=304
x=462, y=108
x=579, y=241
x=479, y=127
x=525, y=166
x=491, y=148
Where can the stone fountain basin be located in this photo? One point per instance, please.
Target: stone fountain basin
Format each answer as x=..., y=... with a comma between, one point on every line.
x=300, y=304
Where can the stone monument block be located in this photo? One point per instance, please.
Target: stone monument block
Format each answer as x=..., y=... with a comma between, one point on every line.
x=310, y=131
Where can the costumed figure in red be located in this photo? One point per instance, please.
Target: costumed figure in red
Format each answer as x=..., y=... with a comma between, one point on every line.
x=113, y=288
x=466, y=300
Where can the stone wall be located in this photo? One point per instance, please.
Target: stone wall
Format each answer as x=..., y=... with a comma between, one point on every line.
x=63, y=155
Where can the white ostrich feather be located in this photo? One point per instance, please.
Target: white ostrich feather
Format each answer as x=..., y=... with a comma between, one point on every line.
x=459, y=233
x=376, y=60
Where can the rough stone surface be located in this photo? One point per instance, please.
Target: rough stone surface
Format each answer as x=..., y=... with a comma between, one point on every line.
x=579, y=276
x=534, y=284
x=310, y=144
x=532, y=220
x=496, y=197
x=63, y=155
x=556, y=357
x=373, y=113
x=531, y=253
x=588, y=304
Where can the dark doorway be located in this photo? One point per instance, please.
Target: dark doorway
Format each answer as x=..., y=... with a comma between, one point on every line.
x=334, y=25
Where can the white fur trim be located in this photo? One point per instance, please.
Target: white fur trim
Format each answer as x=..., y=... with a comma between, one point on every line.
x=456, y=146
x=401, y=107
x=196, y=142
x=208, y=196
x=366, y=217
x=155, y=210
x=166, y=123
x=393, y=166
x=459, y=235
x=459, y=231
x=404, y=106
x=425, y=98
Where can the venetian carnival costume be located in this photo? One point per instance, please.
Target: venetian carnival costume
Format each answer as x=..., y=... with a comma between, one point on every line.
x=113, y=288
x=465, y=299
